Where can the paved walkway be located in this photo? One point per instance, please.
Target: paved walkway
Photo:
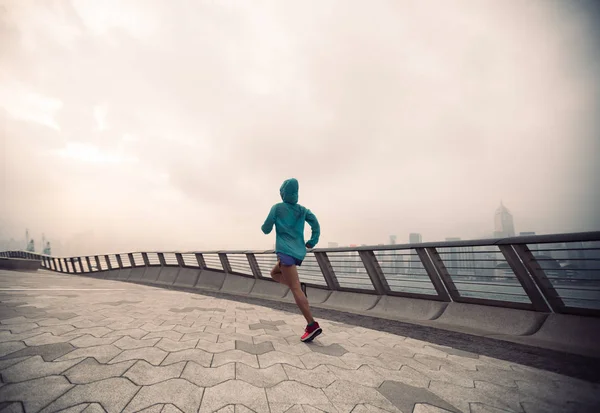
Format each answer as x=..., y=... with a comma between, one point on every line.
x=81, y=344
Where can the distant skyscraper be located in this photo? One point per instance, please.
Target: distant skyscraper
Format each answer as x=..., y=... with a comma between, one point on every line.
x=503, y=223
x=392, y=239
x=415, y=238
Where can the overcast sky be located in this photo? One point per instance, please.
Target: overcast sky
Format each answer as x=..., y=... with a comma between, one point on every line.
x=138, y=124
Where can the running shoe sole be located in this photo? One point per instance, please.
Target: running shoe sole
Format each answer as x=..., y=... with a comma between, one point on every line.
x=312, y=336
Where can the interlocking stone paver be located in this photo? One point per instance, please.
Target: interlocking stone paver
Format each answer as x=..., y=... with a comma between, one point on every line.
x=88, y=340
x=215, y=347
x=143, y=373
x=224, y=337
x=136, y=333
x=8, y=348
x=170, y=345
x=208, y=376
x=404, y=397
x=6, y=335
x=181, y=393
x=94, y=408
x=320, y=376
x=49, y=352
x=272, y=322
x=234, y=392
x=345, y=392
x=296, y=393
x=461, y=396
x=152, y=355
x=170, y=408
x=39, y=392
x=112, y=394
x=277, y=357
x=151, y=328
x=46, y=338
x=184, y=328
x=250, y=348
x=312, y=360
x=200, y=335
x=173, y=335
x=35, y=367
x=185, y=309
x=364, y=375
x=128, y=343
x=89, y=370
x=4, y=364
x=198, y=356
x=330, y=350
x=94, y=331
x=101, y=353
x=8, y=407
x=455, y=351
x=260, y=377
x=234, y=356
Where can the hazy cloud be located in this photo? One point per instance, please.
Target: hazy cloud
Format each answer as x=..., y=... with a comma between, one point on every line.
x=147, y=124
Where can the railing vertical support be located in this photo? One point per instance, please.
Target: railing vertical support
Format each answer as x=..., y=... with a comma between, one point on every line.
x=89, y=264
x=131, y=260
x=374, y=271
x=161, y=259
x=327, y=270
x=80, y=264
x=119, y=261
x=225, y=263
x=539, y=276
x=254, y=265
x=443, y=274
x=98, y=266
x=200, y=259
x=179, y=259
x=433, y=274
x=108, y=264
x=537, y=299
x=146, y=259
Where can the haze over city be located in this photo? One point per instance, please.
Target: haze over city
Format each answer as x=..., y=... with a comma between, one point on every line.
x=154, y=125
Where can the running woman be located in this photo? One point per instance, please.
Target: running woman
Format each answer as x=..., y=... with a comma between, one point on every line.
x=288, y=218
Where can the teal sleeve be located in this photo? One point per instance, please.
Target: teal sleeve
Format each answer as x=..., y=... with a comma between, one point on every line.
x=267, y=227
x=315, y=229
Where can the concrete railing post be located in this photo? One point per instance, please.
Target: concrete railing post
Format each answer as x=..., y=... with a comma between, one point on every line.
x=179, y=259
x=146, y=259
x=225, y=263
x=200, y=259
x=539, y=276
x=327, y=270
x=447, y=289
x=375, y=272
x=511, y=257
x=254, y=265
x=131, y=260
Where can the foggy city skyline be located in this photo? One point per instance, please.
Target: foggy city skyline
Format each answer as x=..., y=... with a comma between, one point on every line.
x=146, y=125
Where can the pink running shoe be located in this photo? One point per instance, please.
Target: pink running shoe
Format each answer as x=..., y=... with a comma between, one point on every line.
x=311, y=332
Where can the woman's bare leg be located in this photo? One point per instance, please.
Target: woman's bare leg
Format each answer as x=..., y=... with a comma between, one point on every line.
x=290, y=278
x=276, y=274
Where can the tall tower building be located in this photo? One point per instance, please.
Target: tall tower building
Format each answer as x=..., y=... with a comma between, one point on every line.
x=503, y=223
x=415, y=238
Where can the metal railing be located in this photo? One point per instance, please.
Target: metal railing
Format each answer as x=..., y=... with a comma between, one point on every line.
x=547, y=273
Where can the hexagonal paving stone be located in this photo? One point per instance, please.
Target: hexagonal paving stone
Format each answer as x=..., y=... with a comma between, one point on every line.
x=234, y=392
x=183, y=394
x=143, y=373
x=90, y=370
x=112, y=394
x=39, y=392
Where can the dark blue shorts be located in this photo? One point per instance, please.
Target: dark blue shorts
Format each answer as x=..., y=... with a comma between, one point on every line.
x=287, y=260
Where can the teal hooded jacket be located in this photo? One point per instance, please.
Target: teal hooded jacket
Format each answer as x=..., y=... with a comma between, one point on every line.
x=289, y=217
